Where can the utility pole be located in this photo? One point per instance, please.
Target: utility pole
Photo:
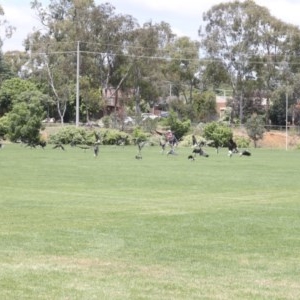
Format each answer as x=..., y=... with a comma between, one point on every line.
x=77, y=84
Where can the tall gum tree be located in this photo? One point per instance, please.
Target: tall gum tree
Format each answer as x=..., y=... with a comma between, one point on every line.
x=184, y=66
x=250, y=43
x=147, y=56
x=6, y=32
x=100, y=34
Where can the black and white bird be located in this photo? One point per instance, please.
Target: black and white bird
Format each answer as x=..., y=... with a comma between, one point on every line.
x=59, y=146
x=232, y=147
x=245, y=153
x=197, y=147
x=97, y=137
x=200, y=152
x=42, y=144
x=195, y=143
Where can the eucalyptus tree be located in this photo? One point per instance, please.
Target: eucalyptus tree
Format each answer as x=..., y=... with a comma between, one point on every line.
x=15, y=63
x=184, y=67
x=53, y=50
x=205, y=106
x=285, y=106
x=148, y=59
x=250, y=43
x=295, y=108
x=111, y=34
x=78, y=31
x=277, y=112
x=90, y=98
x=255, y=128
x=6, y=32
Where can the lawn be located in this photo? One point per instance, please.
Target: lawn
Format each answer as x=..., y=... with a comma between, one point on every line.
x=78, y=227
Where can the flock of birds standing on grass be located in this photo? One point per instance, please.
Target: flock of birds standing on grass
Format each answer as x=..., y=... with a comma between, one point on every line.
x=168, y=144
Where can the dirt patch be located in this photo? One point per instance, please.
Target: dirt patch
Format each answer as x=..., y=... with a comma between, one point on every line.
x=275, y=139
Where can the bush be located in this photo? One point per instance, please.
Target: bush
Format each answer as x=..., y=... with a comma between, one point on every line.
x=4, y=126
x=106, y=121
x=110, y=137
x=187, y=140
x=178, y=127
x=139, y=134
x=75, y=135
x=25, y=118
x=217, y=133
x=242, y=142
x=83, y=136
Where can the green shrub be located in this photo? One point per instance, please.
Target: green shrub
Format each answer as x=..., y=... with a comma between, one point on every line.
x=4, y=126
x=139, y=134
x=187, y=140
x=71, y=134
x=84, y=136
x=242, y=142
x=111, y=136
x=179, y=128
x=106, y=121
x=217, y=133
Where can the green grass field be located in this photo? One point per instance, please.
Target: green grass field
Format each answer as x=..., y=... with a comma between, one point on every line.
x=113, y=227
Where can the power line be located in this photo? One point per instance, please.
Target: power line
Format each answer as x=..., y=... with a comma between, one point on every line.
x=118, y=46
x=166, y=54
x=162, y=58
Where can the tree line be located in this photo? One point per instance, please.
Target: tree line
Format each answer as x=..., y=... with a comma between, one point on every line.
x=88, y=52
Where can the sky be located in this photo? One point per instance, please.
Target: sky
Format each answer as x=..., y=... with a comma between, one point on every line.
x=184, y=16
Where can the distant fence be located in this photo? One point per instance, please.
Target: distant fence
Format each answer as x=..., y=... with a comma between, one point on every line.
x=292, y=128
x=295, y=129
